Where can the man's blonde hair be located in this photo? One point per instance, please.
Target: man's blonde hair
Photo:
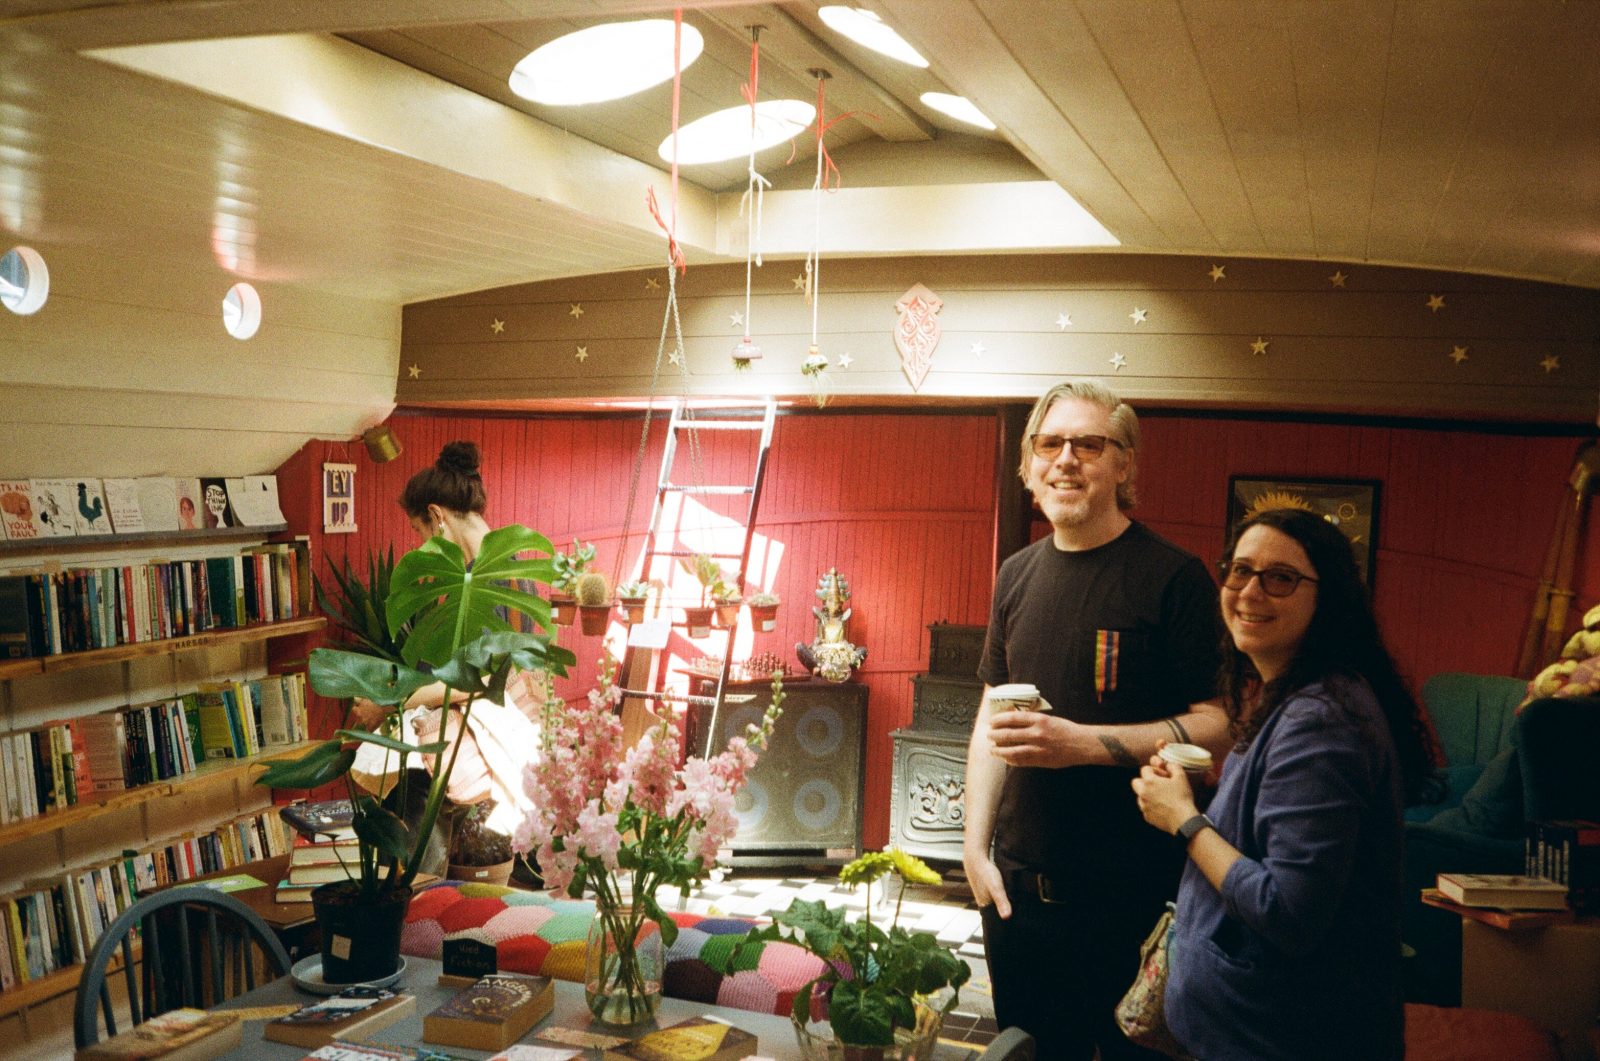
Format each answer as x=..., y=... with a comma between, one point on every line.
x=1124, y=428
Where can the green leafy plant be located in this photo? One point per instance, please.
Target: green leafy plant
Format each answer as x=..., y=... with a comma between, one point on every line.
x=568, y=566
x=873, y=978
x=636, y=590
x=715, y=584
x=445, y=624
x=357, y=607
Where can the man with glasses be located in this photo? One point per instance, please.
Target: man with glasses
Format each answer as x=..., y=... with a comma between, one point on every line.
x=1119, y=630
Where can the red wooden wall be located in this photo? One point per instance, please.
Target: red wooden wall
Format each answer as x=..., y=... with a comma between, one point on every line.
x=903, y=506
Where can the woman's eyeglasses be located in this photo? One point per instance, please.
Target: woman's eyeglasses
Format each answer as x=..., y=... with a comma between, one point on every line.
x=1275, y=581
x=1084, y=447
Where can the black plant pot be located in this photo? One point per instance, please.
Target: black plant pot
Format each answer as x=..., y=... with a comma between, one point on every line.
x=360, y=940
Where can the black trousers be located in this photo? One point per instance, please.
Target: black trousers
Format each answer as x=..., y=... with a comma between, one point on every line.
x=1058, y=969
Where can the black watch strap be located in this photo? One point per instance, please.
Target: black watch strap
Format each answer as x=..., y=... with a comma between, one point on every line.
x=1188, y=830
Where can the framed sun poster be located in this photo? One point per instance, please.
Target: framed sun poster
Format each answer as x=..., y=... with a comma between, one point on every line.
x=1349, y=504
x=339, y=498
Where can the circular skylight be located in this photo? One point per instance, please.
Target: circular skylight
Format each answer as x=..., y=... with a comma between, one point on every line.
x=24, y=280
x=241, y=311
x=958, y=107
x=726, y=134
x=603, y=62
x=868, y=30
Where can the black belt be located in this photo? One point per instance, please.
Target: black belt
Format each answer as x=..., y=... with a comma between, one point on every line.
x=1038, y=885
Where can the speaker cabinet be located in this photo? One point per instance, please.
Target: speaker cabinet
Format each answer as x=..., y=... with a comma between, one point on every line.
x=805, y=795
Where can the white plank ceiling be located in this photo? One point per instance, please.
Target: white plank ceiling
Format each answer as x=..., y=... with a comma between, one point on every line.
x=1453, y=134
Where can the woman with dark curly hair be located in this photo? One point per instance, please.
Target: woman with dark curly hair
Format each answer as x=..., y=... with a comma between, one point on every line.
x=1287, y=930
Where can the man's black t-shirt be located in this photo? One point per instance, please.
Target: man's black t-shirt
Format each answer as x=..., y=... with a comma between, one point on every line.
x=1126, y=632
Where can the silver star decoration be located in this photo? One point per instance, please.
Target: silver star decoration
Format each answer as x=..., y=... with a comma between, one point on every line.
x=1338, y=279
x=845, y=360
x=1260, y=345
x=1550, y=363
x=1458, y=354
x=675, y=358
x=1139, y=315
x=1063, y=321
x=1436, y=302
x=651, y=284
x=1218, y=272
x=576, y=310
x=978, y=349
x=1118, y=362
x=498, y=326
x=736, y=320
x=582, y=354
x=415, y=371
x=800, y=282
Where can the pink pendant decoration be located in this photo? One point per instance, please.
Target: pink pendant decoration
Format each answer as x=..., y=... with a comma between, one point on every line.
x=917, y=332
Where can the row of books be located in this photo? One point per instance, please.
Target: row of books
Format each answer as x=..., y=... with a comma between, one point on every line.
x=54, y=925
x=65, y=508
x=46, y=613
x=1567, y=852
x=65, y=763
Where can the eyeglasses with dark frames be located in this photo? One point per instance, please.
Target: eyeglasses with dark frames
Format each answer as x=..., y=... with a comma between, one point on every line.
x=1084, y=447
x=1275, y=581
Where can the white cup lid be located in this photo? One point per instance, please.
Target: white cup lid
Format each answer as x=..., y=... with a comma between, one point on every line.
x=1014, y=691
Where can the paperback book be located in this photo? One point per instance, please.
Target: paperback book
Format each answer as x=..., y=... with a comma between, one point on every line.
x=1502, y=890
x=491, y=1014
x=696, y=1039
x=179, y=1035
x=353, y=1013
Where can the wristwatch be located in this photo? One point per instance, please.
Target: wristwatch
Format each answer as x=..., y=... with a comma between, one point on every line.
x=1189, y=829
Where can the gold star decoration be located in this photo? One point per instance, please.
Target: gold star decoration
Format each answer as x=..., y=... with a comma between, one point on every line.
x=1218, y=272
x=1436, y=302
x=1260, y=345
x=1550, y=363
x=582, y=354
x=1338, y=279
x=978, y=349
x=576, y=310
x=800, y=282
x=675, y=358
x=498, y=326
x=1458, y=354
x=1063, y=321
x=845, y=360
x=652, y=284
x=736, y=320
x=415, y=371
x=1118, y=362
x=1139, y=315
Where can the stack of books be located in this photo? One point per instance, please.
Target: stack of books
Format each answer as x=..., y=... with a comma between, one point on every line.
x=314, y=863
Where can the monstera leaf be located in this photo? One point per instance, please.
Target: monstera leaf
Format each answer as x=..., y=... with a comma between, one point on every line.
x=468, y=598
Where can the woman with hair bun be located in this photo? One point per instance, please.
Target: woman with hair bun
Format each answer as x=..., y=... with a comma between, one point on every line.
x=447, y=500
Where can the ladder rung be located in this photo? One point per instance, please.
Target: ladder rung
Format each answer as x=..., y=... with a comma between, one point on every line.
x=721, y=425
x=708, y=489
x=698, y=701
x=694, y=552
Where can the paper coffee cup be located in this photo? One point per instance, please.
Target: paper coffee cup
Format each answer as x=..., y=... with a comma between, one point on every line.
x=1190, y=758
x=1015, y=696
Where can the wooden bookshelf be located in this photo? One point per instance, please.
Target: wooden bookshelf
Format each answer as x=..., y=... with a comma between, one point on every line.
x=209, y=772
x=51, y=985
x=99, y=657
x=137, y=540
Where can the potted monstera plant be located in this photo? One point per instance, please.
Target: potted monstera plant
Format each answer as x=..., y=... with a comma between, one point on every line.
x=445, y=622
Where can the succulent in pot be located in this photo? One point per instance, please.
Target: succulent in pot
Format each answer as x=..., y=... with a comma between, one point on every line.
x=633, y=596
x=764, y=611
x=567, y=568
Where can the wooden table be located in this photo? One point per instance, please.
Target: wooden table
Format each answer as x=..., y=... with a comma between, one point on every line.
x=776, y=1034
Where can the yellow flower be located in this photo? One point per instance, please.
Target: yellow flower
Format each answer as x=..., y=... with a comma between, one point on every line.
x=866, y=869
x=912, y=869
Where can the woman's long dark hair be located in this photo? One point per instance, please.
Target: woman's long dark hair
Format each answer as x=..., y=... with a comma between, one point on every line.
x=1343, y=639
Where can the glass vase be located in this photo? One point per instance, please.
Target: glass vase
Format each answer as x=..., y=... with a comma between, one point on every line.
x=817, y=1042
x=623, y=965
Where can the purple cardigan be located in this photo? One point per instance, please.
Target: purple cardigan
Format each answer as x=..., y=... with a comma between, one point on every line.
x=1298, y=956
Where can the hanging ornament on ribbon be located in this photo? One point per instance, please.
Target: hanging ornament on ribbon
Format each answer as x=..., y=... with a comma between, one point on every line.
x=750, y=204
x=815, y=366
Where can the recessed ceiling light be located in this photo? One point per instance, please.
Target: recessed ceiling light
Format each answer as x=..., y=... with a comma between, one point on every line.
x=727, y=134
x=241, y=311
x=603, y=62
x=958, y=107
x=868, y=30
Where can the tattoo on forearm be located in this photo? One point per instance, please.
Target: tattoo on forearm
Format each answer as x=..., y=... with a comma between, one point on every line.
x=1179, y=734
x=1119, y=752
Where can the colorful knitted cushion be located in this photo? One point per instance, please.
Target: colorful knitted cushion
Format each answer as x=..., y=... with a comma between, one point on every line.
x=543, y=936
